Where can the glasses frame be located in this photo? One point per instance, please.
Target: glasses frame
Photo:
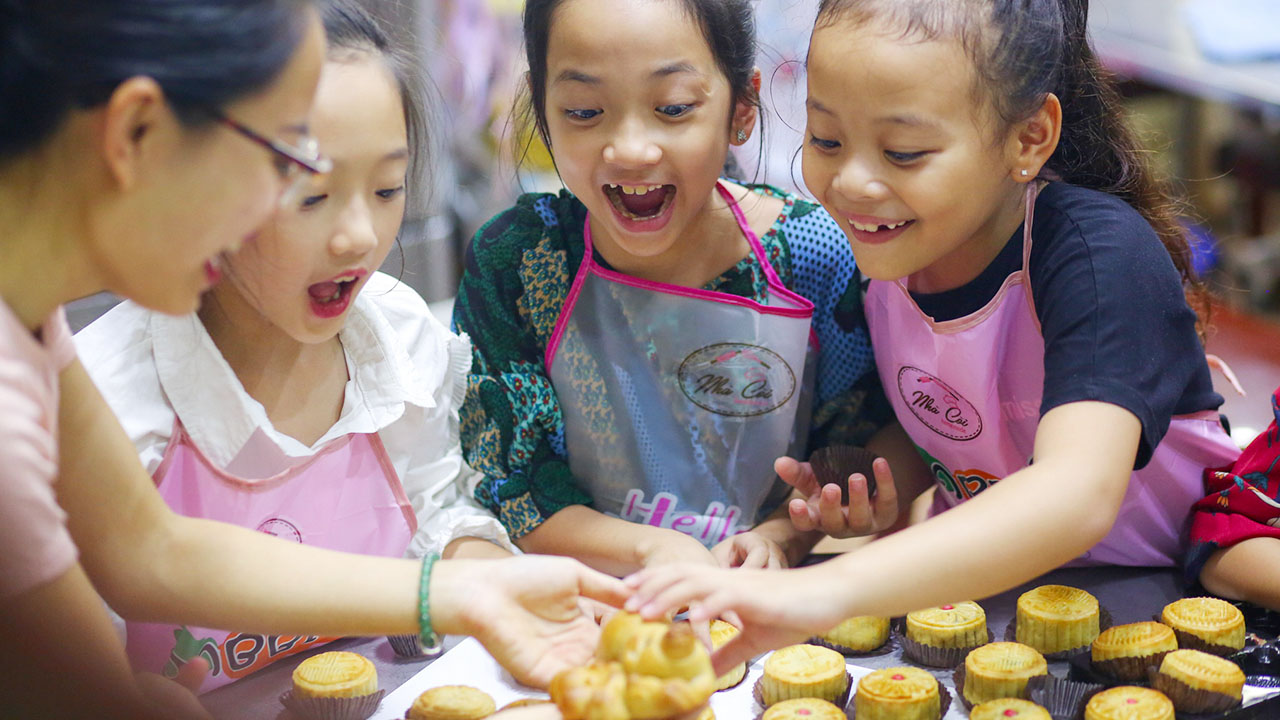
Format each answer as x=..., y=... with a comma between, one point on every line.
x=306, y=158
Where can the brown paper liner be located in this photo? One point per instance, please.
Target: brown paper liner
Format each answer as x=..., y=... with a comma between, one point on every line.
x=1128, y=669
x=944, y=702
x=957, y=677
x=1187, y=699
x=835, y=463
x=1104, y=622
x=930, y=656
x=353, y=708
x=1187, y=641
x=888, y=647
x=409, y=647
x=1064, y=699
x=841, y=701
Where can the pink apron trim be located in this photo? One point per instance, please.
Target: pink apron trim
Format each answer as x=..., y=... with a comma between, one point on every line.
x=804, y=309
x=393, y=482
x=179, y=434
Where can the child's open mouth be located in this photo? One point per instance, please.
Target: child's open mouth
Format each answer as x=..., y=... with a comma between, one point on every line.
x=640, y=203
x=331, y=298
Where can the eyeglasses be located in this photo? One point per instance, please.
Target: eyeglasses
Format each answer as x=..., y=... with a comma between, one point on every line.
x=296, y=164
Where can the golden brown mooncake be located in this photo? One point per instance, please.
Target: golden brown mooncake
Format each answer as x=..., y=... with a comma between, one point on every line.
x=721, y=633
x=1128, y=702
x=898, y=693
x=958, y=625
x=525, y=702
x=1204, y=623
x=804, y=709
x=335, y=675
x=859, y=634
x=1126, y=651
x=1007, y=709
x=452, y=702
x=803, y=671
x=1001, y=670
x=1057, y=618
x=1196, y=670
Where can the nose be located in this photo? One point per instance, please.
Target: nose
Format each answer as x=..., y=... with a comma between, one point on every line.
x=858, y=180
x=632, y=146
x=354, y=234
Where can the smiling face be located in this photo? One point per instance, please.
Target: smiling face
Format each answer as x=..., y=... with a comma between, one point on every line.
x=638, y=114
x=305, y=268
x=906, y=156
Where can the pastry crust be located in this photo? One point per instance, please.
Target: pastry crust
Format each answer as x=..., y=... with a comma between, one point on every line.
x=1128, y=702
x=1001, y=670
x=721, y=633
x=898, y=693
x=804, y=709
x=803, y=671
x=860, y=634
x=453, y=702
x=1057, y=618
x=335, y=675
x=1202, y=671
x=1009, y=708
x=1212, y=621
x=1126, y=651
x=959, y=625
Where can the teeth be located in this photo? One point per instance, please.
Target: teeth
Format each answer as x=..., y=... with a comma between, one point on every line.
x=876, y=228
x=635, y=189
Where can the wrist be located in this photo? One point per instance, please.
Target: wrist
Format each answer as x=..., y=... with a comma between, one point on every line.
x=661, y=544
x=447, y=598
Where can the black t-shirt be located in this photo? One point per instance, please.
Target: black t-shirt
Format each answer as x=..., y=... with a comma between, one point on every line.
x=1116, y=324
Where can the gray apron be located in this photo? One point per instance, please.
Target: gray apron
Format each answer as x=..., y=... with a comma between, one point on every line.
x=676, y=401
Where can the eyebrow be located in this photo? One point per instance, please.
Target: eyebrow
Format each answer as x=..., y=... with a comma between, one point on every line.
x=296, y=129
x=915, y=121
x=664, y=71
x=399, y=154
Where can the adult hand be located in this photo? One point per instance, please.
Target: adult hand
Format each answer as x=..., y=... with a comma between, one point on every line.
x=773, y=608
x=822, y=509
x=525, y=610
x=176, y=698
x=750, y=550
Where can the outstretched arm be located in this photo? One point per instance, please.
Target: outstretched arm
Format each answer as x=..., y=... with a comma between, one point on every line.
x=1248, y=570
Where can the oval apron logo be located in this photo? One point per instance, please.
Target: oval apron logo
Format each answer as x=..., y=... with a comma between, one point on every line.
x=936, y=405
x=280, y=528
x=737, y=379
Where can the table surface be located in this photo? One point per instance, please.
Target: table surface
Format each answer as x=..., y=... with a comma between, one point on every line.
x=1130, y=594
x=1149, y=40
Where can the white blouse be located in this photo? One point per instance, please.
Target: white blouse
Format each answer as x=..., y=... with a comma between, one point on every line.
x=408, y=376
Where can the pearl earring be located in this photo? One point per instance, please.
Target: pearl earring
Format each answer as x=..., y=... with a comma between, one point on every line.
x=742, y=136
x=1024, y=173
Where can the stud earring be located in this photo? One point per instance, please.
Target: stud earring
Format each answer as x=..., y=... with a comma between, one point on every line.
x=742, y=135
x=1024, y=173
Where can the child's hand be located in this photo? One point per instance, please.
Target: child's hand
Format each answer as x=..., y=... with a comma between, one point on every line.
x=822, y=508
x=675, y=547
x=750, y=550
x=772, y=610
x=176, y=698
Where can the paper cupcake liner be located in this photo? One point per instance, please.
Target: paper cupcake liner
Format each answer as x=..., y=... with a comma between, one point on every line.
x=957, y=677
x=1188, y=641
x=1104, y=622
x=322, y=708
x=931, y=656
x=841, y=701
x=1187, y=699
x=1117, y=671
x=835, y=463
x=1064, y=699
x=944, y=702
x=890, y=644
x=410, y=647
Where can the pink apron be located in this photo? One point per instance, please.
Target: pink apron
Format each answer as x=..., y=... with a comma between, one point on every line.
x=968, y=393
x=345, y=497
x=676, y=401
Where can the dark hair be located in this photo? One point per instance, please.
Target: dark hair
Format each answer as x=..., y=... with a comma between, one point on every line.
x=728, y=26
x=60, y=55
x=1022, y=50
x=353, y=32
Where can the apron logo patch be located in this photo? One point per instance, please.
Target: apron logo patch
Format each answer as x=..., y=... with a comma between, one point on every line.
x=737, y=379
x=936, y=405
x=281, y=528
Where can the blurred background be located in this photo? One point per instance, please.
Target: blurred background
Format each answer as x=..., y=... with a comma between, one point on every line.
x=1201, y=78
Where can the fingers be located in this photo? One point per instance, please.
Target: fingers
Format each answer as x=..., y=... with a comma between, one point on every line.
x=885, y=505
x=860, y=520
x=192, y=673
x=831, y=511
x=662, y=589
x=803, y=517
x=757, y=557
x=797, y=474
x=731, y=654
x=598, y=586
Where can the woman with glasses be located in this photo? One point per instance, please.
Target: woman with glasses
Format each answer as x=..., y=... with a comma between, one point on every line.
x=116, y=173
x=326, y=405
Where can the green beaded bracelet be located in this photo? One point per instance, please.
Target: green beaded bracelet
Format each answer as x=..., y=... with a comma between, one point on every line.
x=425, y=633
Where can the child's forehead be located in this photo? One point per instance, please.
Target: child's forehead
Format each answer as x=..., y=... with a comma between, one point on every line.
x=648, y=37
x=884, y=66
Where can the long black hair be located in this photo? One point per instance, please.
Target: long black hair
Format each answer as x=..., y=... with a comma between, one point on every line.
x=1022, y=50
x=60, y=55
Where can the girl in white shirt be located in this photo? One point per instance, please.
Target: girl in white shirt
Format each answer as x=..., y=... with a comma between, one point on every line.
x=311, y=397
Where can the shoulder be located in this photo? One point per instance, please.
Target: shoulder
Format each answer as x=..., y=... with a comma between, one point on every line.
x=1074, y=220
x=410, y=325
x=500, y=243
x=117, y=348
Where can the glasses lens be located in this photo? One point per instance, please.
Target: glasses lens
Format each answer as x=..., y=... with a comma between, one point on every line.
x=295, y=183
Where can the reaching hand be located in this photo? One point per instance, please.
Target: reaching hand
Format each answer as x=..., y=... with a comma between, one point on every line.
x=525, y=610
x=774, y=608
x=750, y=550
x=176, y=698
x=822, y=509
